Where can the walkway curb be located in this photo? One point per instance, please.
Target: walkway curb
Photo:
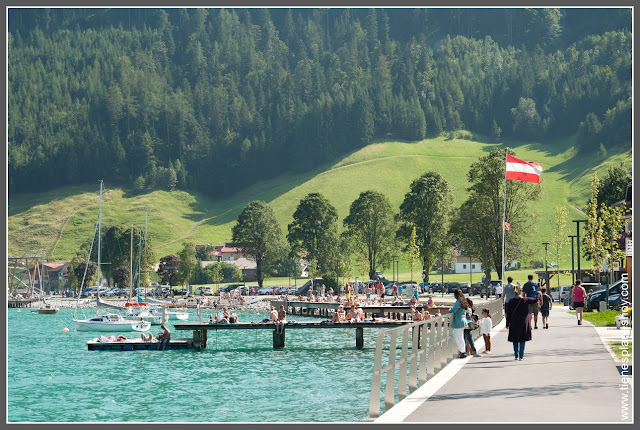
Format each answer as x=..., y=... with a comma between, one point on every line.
x=407, y=406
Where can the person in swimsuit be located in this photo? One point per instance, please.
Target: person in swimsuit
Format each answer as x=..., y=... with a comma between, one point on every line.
x=339, y=316
x=166, y=338
x=282, y=319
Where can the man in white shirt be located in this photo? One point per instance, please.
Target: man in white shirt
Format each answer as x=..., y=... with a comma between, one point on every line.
x=499, y=290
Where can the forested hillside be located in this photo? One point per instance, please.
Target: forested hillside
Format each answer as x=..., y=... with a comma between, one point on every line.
x=218, y=99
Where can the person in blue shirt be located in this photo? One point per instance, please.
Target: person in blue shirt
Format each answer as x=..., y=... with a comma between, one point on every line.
x=459, y=321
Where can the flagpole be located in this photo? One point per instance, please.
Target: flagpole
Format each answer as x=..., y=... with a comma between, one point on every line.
x=504, y=211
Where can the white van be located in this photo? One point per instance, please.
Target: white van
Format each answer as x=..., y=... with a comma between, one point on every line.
x=558, y=294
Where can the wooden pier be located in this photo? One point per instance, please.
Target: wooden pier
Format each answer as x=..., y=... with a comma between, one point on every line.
x=327, y=309
x=200, y=329
x=24, y=303
x=138, y=345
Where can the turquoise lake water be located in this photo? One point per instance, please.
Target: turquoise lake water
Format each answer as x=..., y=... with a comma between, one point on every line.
x=319, y=377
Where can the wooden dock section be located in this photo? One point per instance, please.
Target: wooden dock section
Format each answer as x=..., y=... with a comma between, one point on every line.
x=138, y=345
x=327, y=309
x=24, y=303
x=200, y=329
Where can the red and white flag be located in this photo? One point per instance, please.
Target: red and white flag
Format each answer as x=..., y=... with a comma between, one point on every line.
x=520, y=170
x=507, y=226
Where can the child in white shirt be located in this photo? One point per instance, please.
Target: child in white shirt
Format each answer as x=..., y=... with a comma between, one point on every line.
x=485, y=327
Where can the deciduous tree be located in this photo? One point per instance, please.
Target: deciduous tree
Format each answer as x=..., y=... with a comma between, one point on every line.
x=426, y=207
x=257, y=231
x=370, y=226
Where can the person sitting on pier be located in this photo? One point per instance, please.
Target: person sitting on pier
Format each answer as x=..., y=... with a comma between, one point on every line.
x=416, y=314
x=339, y=316
x=426, y=315
x=413, y=301
x=150, y=338
x=273, y=316
x=282, y=319
x=430, y=302
x=166, y=338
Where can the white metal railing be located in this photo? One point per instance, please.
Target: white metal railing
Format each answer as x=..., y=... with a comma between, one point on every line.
x=629, y=247
x=425, y=348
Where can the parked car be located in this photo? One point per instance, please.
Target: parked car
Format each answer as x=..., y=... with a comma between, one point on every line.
x=436, y=287
x=558, y=294
x=615, y=297
x=476, y=288
x=292, y=290
x=206, y=290
x=179, y=291
x=464, y=286
x=451, y=287
x=282, y=290
x=265, y=290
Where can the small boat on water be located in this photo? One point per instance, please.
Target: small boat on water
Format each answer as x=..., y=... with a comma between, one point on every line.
x=152, y=314
x=177, y=315
x=47, y=309
x=111, y=322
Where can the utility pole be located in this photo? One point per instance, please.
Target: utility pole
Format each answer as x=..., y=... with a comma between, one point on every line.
x=578, y=221
x=573, y=270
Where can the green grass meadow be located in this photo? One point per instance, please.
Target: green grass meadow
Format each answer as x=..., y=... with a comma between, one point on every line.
x=61, y=220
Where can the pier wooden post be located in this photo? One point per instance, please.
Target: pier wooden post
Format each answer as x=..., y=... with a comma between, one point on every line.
x=200, y=339
x=278, y=338
x=359, y=337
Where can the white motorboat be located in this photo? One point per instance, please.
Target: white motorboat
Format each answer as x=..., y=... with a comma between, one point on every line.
x=152, y=314
x=111, y=322
x=177, y=315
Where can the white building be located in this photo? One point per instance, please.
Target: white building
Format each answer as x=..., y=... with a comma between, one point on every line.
x=466, y=265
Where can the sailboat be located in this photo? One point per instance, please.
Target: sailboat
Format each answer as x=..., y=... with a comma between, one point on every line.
x=45, y=308
x=109, y=321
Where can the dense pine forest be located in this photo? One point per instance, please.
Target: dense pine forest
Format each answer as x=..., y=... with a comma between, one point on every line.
x=218, y=99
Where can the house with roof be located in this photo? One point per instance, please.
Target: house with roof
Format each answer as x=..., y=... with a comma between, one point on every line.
x=464, y=264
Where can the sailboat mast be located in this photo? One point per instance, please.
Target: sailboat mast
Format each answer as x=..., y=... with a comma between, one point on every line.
x=131, y=265
x=99, y=233
x=146, y=213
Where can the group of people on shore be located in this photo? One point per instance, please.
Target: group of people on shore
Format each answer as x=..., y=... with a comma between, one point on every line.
x=521, y=305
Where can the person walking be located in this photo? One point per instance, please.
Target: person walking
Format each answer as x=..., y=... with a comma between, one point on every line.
x=578, y=296
x=459, y=321
x=468, y=330
x=485, y=327
x=530, y=289
x=545, y=308
x=508, y=291
x=518, y=322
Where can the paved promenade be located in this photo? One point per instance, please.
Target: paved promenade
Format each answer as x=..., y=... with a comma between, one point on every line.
x=567, y=375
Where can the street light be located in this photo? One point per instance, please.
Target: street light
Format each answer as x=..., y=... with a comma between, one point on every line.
x=546, y=267
x=573, y=270
x=393, y=268
x=578, y=221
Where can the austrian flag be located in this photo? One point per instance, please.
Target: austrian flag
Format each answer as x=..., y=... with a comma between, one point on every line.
x=520, y=170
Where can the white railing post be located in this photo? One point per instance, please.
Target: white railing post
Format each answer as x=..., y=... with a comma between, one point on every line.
x=432, y=347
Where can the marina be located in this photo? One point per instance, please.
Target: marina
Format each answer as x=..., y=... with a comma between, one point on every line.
x=65, y=372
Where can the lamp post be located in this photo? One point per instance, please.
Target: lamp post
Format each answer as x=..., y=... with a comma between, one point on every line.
x=573, y=270
x=393, y=268
x=442, y=274
x=470, y=275
x=546, y=268
x=578, y=221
